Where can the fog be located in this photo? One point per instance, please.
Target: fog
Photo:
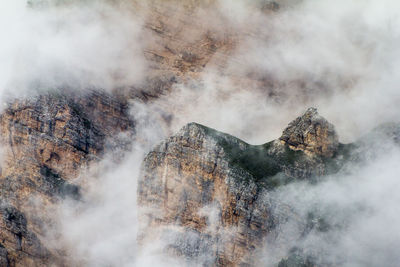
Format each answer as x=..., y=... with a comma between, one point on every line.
x=339, y=56
x=359, y=206
x=78, y=45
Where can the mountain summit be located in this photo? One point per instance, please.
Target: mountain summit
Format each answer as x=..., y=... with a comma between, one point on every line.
x=200, y=168
x=311, y=133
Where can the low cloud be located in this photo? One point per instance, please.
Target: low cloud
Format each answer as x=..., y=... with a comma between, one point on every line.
x=354, y=213
x=78, y=45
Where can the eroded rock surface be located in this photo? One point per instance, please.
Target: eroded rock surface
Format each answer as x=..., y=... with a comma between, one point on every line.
x=47, y=140
x=189, y=172
x=311, y=133
x=201, y=169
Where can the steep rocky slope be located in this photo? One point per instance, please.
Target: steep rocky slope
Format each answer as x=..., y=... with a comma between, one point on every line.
x=47, y=140
x=208, y=196
x=201, y=169
x=186, y=38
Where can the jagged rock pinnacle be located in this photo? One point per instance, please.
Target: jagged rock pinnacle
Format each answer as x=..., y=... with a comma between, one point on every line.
x=311, y=133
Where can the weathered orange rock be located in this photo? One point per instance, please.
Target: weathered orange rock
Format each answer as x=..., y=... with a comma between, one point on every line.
x=311, y=133
x=47, y=140
x=187, y=177
x=206, y=194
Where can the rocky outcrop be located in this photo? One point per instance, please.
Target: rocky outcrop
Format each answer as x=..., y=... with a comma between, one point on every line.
x=47, y=140
x=201, y=169
x=189, y=172
x=311, y=133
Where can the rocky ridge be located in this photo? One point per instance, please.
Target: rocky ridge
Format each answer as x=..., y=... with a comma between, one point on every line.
x=209, y=196
x=200, y=168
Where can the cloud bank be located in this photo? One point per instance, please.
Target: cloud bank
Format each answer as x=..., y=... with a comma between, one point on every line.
x=78, y=45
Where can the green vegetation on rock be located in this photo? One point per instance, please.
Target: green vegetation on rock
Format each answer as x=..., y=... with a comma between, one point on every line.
x=274, y=163
x=265, y=168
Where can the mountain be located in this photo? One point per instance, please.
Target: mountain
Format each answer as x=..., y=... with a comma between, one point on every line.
x=204, y=197
x=212, y=191
x=205, y=194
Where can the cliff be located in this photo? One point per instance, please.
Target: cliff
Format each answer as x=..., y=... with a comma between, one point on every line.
x=202, y=169
x=205, y=194
x=47, y=140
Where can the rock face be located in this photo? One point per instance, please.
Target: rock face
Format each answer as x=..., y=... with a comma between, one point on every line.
x=47, y=140
x=20, y=246
x=190, y=172
x=201, y=169
x=311, y=133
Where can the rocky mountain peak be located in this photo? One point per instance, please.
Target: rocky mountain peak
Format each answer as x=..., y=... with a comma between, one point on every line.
x=312, y=134
x=200, y=167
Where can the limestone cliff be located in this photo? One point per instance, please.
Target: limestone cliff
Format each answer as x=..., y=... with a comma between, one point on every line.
x=47, y=140
x=200, y=168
